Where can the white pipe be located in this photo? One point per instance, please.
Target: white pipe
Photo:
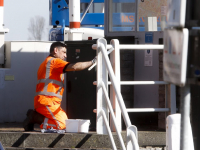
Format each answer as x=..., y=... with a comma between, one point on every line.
x=134, y=140
x=134, y=47
x=86, y=10
x=137, y=47
x=108, y=128
x=74, y=13
x=117, y=91
x=148, y=110
x=142, y=82
x=109, y=51
x=1, y=13
x=113, y=115
x=94, y=46
x=138, y=82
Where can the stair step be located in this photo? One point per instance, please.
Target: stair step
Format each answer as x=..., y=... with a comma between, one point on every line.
x=91, y=140
x=17, y=148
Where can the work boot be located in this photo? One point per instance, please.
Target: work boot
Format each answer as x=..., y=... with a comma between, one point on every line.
x=32, y=118
x=27, y=125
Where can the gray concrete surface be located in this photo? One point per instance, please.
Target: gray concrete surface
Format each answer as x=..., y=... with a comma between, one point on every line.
x=12, y=136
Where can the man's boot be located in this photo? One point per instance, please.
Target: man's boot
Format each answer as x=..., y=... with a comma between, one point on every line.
x=32, y=118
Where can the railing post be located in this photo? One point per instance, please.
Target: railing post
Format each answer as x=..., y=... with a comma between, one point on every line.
x=170, y=96
x=115, y=62
x=132, y=144
x=102, y=76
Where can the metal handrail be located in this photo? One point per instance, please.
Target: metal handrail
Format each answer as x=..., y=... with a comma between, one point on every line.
x=108, y=129
x=112, y=114
x=118, y=95
x=102, y=47
x=138, y=82
x=134, y=47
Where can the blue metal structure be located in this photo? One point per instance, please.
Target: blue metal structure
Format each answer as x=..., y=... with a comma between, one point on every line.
x=120, y=21
x=60, y=13
x=60, y=18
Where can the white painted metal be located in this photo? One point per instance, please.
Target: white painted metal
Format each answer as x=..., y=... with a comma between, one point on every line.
x=132, y=136
x=142, y=82
x=148, y=109
x=175, y=56
x=102, y=76
x=113, y=117
x=74, y=34
x=103, y=49
x=186, y=138
x=84, y=33
x=2, y=39
x=134, y=47
x=94, y=46
x=150, y=23
x=170, y=93
x=74, y=10
x=1, y=17
x=173, y=128
x=117, y=91
x=102, y=113
x=2, y=32
x=176, y=13
x=141, y=47
x=109, y=51
x=115, y=62
x=138, y=82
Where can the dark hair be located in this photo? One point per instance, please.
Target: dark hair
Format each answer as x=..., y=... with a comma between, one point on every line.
x=56, y=44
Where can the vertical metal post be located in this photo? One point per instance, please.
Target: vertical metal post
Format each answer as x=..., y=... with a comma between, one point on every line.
x=102, y=76
x=136, y=16
x=185, y=119
x=1, y=33
x=115, y=62
x=170, y=98
x=74, y=13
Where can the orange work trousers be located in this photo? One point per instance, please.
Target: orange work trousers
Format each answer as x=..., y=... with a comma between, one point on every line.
x=54, y=117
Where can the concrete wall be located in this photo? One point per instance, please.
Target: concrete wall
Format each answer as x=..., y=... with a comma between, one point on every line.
x=17, y=96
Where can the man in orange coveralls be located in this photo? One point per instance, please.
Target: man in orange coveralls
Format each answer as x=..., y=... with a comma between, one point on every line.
x=50, y=88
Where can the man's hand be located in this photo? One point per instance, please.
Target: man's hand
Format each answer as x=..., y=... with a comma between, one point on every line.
x=94, y=60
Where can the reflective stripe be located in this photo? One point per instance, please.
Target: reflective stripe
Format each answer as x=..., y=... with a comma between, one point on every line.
x=47, y=73
x=52, y=125
x=45, y=124
x=48, y=94
x=53, y=116
x=46, y=82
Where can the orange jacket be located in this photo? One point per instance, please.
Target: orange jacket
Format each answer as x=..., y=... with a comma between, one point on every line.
x=50, y=82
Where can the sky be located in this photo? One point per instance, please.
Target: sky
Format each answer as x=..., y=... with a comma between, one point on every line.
x=17, y=15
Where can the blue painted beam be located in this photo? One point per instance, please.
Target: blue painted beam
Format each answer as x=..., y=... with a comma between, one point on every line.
x=114, y=1
x=95, y=1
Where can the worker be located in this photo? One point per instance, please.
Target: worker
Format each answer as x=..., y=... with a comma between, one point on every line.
x=49, y=89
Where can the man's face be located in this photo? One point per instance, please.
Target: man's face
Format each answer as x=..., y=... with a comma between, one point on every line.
x=60, y=52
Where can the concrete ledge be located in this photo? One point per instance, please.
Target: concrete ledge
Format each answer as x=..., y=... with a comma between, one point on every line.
x=75, y=140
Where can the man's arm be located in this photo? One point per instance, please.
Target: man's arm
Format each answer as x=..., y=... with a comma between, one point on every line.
x=78, y=66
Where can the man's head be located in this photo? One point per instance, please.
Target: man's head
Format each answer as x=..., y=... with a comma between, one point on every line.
x=58, y=50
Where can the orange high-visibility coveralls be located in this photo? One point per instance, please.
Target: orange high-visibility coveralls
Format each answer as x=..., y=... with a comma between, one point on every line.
x=49, y=91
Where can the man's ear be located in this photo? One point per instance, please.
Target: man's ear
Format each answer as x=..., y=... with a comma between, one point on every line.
x=55, y=50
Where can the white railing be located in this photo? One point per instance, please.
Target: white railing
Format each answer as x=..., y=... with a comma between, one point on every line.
x=115, y=105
